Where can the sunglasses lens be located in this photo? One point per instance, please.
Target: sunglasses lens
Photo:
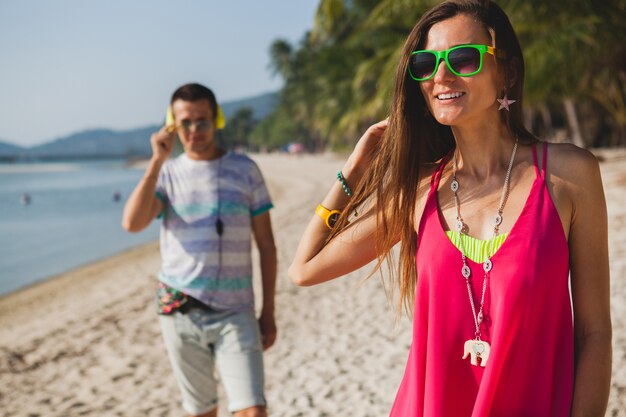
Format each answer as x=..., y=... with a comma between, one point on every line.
x=203, y=125
x=464, y=60
x=185, y=125
x=422, y=64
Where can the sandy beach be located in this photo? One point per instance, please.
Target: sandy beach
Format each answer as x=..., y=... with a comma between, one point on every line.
x=87, y=343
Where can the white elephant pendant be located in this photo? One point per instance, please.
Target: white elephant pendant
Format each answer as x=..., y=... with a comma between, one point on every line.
x=477, y=349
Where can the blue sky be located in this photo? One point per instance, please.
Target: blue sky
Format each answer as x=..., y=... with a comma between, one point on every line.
x=71, y=65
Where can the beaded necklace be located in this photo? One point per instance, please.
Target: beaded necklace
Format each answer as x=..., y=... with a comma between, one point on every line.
x=477, y=348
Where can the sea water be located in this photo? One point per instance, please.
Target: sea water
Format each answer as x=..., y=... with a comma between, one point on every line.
x=57, y=216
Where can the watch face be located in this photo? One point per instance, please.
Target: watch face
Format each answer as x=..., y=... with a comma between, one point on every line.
x=332, y=219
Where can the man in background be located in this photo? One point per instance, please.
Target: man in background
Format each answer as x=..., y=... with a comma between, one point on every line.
x=211, y=202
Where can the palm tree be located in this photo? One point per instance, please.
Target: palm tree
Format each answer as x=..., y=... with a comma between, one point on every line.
x=573, y=54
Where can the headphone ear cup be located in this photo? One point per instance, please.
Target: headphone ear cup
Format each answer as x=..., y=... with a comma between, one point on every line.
x=170, y=123
x=220, y=120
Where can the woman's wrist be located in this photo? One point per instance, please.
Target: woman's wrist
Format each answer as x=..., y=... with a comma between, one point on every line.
x=352, y=173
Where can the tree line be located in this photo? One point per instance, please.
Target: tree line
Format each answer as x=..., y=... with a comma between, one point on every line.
x=338, y=79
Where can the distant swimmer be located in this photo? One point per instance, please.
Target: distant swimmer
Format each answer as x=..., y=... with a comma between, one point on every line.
x=117, y=196
x=25, y=199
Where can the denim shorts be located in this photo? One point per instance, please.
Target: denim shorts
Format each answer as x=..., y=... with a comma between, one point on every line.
x=200, y=342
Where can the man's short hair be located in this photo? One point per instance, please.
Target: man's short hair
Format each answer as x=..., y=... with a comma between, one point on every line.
x=195, y=92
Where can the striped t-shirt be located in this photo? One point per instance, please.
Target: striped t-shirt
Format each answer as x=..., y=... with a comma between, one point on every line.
x=195, y=260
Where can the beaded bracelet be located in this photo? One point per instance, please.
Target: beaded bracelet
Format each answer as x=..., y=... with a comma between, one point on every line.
x=344, y=184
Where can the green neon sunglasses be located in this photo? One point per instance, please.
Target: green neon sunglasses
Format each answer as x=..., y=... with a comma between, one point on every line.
x=462, y=60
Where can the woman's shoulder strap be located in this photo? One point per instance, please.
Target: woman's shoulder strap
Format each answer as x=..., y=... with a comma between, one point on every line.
x=437, y=173
x=544, y=157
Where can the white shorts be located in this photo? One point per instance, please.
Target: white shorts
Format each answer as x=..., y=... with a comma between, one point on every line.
x=199, y=341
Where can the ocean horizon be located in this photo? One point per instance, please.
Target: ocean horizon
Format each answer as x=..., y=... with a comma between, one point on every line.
x=57, y=216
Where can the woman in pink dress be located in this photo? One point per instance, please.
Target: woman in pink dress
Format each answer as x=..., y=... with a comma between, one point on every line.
x=453, y=174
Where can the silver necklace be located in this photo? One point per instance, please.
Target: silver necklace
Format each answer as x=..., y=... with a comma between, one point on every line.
x=477, y=348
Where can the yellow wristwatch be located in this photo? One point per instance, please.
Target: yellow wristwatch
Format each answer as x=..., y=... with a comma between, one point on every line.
x=330, y=217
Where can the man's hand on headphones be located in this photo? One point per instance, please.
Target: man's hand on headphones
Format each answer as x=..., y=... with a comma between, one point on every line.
x=162, y=143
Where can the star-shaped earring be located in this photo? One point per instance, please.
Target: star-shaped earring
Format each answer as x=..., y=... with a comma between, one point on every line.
x=505, y=103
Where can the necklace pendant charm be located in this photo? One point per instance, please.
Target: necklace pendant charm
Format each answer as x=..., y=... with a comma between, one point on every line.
x=477, y=350
x=498, y=220
x=459, y=226
x=454, y=186
x=487, y=265
x=466, y=271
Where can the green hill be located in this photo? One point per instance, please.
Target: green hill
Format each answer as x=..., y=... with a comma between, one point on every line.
x=261, y=105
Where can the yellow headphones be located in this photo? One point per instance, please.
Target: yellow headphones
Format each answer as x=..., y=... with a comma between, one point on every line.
x=220, y=120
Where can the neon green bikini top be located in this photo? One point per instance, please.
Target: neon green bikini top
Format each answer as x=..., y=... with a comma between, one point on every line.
x=476, y=249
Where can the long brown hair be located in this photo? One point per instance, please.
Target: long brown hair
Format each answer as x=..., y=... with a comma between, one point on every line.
x=414, y=138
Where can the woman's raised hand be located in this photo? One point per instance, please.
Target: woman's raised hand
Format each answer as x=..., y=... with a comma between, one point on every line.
x=365, y=149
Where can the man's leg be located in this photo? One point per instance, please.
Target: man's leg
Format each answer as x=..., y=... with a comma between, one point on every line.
x=239, y=359
x=251, y=412
x=212, y=413
x=192, y=361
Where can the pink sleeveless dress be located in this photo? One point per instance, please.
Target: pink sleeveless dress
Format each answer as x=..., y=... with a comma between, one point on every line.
x=528, y=320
